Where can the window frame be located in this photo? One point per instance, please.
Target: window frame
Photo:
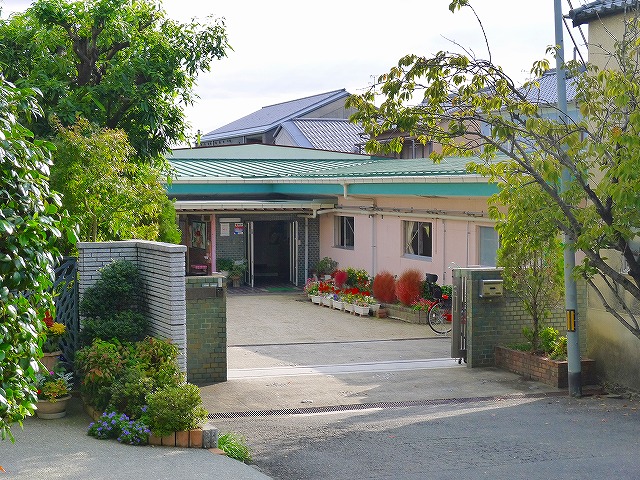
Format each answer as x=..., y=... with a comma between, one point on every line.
x=341, y=227
x=413, y=229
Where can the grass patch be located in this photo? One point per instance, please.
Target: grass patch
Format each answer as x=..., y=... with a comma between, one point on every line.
x=234, y=446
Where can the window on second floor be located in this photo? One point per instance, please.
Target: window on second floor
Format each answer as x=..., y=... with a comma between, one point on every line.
x=418, y=238
x=343, y=232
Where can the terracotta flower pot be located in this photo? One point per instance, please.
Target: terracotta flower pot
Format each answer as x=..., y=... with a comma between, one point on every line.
x=50, y=359
x=49, y=410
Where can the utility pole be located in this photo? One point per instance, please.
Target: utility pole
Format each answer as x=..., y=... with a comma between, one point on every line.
x=570, y=290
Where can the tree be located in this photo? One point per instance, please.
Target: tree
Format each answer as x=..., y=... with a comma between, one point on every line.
x=472, y=107
x=30, y=226
x=118, y=63
x=110, y=196
x=530, y=251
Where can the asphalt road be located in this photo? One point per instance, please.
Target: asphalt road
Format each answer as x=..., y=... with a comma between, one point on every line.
x=319, y=394
x=526, y=438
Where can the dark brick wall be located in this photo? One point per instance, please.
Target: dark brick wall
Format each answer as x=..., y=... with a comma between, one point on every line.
x=206, y=329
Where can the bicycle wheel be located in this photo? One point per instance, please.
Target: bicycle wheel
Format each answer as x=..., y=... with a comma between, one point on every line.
x=439, y=319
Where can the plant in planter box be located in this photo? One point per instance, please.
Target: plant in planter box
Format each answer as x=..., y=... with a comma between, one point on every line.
x=311, y=287
x=408, y=286
x=384, y=287
x=175, y=408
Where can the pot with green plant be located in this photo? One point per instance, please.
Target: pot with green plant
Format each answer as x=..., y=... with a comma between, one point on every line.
x=237, y=271
x=325, y=267
x=54, y=392
x=224, y=266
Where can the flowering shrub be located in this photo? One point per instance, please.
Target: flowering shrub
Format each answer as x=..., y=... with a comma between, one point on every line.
x=422, y=304
x=120, y=427
x=358, y=278
x=340, y=278
x=53, y=385
x=311, y=287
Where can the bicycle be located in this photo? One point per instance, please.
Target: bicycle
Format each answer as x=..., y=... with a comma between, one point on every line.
x=439, y=313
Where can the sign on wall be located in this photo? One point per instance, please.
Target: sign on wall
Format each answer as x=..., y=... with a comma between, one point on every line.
x=238, y=229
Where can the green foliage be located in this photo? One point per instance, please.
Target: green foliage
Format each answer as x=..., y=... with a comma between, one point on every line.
x=109, y=195
x=123, y=326
x=224, y=264
x=168, y=230
x=326, y=266
x=98, y=366
x=173, y=408
x=234, y=446
x=520, y=142
x=31, y=226
x=119, y=376
x=119, y=64
x=530, y=251
x=111, y=305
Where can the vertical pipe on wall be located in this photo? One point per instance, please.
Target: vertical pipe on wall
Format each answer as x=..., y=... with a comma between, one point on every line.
x=444, y=251
x=374, y=241
x=306, y=248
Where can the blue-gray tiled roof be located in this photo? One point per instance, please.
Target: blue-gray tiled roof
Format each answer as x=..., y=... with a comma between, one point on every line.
x=600, y=8
x=271, y=116
x=547, y=91
x=325, y=133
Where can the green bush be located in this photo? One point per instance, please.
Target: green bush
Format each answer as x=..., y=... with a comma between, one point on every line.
x=234, y=446
x=98, y=366
x=112, y=307
x=174, y=408
x=123, y=326
x=117, y=290
x=119, y=375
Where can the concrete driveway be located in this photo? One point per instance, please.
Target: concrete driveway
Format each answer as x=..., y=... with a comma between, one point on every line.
x=321, y=394
x=285, y=352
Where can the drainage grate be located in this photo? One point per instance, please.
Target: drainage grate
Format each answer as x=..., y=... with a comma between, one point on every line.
x=376, y=405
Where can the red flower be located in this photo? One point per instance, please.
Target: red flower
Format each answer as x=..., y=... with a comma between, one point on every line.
x=48, y=319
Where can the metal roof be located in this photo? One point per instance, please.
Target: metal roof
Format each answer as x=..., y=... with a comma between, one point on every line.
x=250, y=162
x=546, y=92
x=271, y=116
x=335, y=134
x=600, y=8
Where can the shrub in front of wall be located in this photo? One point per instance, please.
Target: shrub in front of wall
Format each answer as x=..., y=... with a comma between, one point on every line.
x=98, y=365
x=175, y=408
x=409, y=287
x=111, y=306
x=340, y=278
x=384, y=287
x=123, y=326
x=358, y=278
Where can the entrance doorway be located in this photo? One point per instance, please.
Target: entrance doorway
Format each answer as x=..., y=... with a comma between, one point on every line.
x=271, y=252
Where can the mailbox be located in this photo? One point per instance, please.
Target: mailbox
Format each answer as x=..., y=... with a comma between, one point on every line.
x=490, y=288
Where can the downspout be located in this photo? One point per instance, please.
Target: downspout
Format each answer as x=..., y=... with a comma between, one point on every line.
x=444, y=251
x=306, y=246
x=374, y=241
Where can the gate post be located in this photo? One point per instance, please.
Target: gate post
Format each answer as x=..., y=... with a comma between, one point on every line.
x=206, y=302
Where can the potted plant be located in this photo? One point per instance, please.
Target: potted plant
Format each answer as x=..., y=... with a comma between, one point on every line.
x=224, y=266
x=325, y=267
x=311, y=288
x=237, y=271
x=51, y=341
x=54, y=391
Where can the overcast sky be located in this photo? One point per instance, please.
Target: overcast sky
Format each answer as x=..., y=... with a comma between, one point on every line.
x=286, y=49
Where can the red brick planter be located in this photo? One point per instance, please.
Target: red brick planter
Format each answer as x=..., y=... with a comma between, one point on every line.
x=542, y=369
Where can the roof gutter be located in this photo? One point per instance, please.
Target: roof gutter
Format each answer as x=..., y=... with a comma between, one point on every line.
x=440, y=214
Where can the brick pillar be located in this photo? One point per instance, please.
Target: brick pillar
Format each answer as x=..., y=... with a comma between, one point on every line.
x=206, y=329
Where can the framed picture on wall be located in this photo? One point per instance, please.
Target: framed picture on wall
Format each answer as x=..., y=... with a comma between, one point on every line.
x=198, y=234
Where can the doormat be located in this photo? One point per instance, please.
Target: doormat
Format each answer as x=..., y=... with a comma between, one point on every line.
x=281, y=289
